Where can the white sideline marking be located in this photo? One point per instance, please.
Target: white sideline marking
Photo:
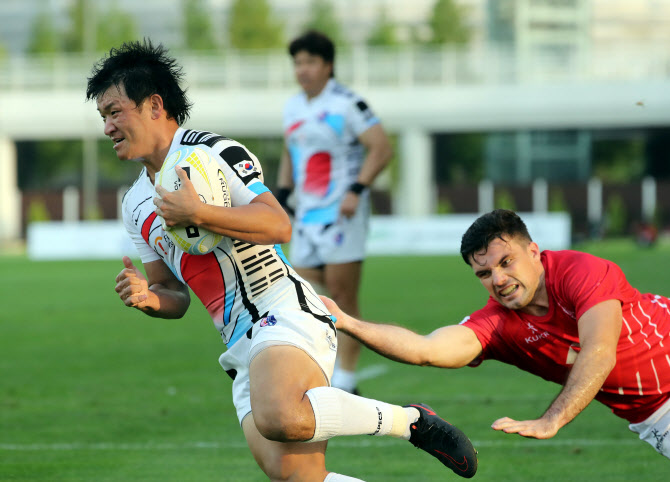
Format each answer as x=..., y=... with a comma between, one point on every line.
x=372, y=371
x=350, y=443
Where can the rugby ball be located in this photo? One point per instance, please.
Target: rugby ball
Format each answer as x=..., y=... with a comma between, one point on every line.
x=212, y=188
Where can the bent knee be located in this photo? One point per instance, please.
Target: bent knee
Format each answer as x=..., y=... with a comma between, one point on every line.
x=284, y=425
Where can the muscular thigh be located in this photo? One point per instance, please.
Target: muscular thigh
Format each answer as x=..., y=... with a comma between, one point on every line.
x=280, y=375
x=290, y=354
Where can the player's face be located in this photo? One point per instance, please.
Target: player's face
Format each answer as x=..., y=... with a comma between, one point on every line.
x=311, y=72
x=512, y=273
x=126, y=124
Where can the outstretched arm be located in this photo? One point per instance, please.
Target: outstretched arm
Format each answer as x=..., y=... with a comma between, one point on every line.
x=448, y=347
x=599, y=330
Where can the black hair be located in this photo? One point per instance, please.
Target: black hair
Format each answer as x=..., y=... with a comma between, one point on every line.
x=500, y=224
x=143, y=69
x=315, y=43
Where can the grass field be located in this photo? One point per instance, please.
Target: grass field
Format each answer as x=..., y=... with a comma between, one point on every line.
x=93, y=391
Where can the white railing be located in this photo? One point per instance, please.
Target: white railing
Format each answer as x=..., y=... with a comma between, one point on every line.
x=408, y=66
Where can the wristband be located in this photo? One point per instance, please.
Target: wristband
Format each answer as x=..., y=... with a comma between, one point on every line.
x=357, y=188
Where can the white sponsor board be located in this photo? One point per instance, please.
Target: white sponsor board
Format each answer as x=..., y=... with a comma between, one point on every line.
x=389, y=236
x=441, y=234
x=53, y=240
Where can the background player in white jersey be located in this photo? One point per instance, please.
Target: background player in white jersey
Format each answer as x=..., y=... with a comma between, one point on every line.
x=334, y=149
x=568, y=317
x=281, y=340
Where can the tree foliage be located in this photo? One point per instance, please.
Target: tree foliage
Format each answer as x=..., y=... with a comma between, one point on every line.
x=460, y=158
x=114, y=28
x=447, y=24
x=383, y=32
x=73, y=40
x=111, y=28
x=44, y=38
x=253, y=26
x=322, y=18
x=619, y=160
x=58, y=163
x=198, y=30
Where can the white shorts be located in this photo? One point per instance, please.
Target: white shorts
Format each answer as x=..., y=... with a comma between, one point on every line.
x=656, y=429
x=315, y=245
x=286, y=324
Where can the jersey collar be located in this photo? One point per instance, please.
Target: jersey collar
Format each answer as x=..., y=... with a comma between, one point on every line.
x=330, y=85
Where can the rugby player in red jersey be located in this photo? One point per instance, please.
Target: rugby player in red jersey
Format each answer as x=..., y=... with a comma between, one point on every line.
x=566, y=316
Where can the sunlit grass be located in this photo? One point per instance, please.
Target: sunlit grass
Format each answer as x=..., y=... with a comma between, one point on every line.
x=92, y=390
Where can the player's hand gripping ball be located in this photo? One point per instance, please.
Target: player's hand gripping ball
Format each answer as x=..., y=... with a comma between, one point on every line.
x=210, y=184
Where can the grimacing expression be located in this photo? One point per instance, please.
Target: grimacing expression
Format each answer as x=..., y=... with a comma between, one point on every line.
x=511, y=271
x=126, y=123
x=311, y=72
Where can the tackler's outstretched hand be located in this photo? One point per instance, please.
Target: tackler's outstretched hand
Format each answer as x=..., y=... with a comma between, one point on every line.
x=178, y=208
x=341, y=318
x=540, y=428
x=132, y=286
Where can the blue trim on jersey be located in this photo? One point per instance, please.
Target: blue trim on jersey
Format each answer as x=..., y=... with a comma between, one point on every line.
x=336, y=122
x=230, y=295
x=174, y=269
x=372, y=122
x=281, y=254
x=243, y=325
x=331, y=186
x=258, y=188
x=325, y=215
x=228, y=308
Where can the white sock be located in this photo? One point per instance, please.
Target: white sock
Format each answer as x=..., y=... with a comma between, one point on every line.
x=337, y=413
x=343, y=379
x=413, y=415
x=333, y=477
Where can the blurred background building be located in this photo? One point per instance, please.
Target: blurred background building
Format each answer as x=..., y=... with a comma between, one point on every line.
x=534, y=105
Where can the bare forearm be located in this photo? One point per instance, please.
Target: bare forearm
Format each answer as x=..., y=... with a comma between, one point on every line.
x=254, y=223
x=599, y=329
x=379, y=153
x=585, y=380
x=285, y=173
x=164, y=302
x=393, y=342
x=375, y=161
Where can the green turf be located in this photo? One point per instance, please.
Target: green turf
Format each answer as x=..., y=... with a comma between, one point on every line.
x=93, y=391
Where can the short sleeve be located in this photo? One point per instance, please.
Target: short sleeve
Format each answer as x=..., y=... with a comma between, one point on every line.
x=586, y=280
x=487, y=324
x=243, y=172
x=146, y=253
x=360, y=116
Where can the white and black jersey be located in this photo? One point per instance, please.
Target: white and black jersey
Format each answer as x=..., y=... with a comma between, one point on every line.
x=321, y=135
x=237, y=282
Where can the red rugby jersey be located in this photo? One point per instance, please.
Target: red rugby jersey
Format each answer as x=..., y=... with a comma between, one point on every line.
x=547, y=345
